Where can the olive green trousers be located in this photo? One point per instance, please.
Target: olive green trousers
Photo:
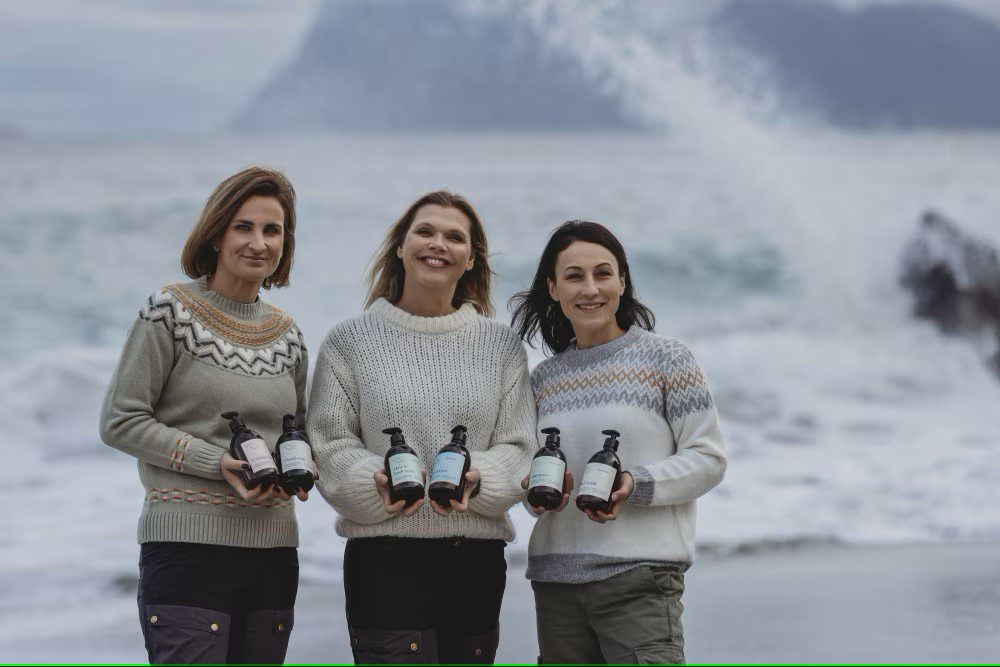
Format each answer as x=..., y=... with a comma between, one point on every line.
x=633, y=617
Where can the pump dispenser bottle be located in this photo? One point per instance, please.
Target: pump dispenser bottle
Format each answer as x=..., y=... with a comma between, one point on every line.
x=402, y=467
x=450, y=465
x=601, y=476
x=247, y=445
x=294, y=455
x=545, y=486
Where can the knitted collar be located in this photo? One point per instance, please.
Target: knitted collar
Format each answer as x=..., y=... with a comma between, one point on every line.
x=241, y=309
x=460, y=319
x=574, y=356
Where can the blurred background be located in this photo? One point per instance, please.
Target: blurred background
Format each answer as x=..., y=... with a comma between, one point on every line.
x=808, y=190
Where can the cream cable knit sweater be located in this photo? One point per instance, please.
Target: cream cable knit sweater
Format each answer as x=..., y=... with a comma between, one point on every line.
x=425, y=375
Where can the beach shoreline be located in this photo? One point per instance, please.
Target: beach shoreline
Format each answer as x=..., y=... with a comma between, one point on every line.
x=899, y=603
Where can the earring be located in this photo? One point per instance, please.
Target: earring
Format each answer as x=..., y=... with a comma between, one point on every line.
x=215, y=249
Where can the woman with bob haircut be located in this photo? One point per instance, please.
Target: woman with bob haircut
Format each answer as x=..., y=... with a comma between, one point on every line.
x=218, y=567
x=608, y=584
x=424, y=582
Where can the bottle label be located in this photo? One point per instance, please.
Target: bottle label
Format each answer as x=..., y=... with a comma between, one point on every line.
x=598, y=480
x=448, y=468
x=405, y=467
x=258, y=455
x=295, y=455
x=547, y=471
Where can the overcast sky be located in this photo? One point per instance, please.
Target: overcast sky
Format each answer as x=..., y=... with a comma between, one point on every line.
x=68, y=67
x=141, y=66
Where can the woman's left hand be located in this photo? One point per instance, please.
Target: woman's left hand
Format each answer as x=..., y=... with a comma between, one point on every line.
x=471, y=484
x=618, y=498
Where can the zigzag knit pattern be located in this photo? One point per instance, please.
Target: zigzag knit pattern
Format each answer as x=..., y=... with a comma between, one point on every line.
x=642, y=370
x=270, y=347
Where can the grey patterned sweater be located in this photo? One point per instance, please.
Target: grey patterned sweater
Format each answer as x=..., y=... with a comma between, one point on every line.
x=650, y=390
x=189, y=356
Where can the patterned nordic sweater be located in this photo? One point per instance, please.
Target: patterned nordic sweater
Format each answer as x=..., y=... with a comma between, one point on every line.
x=425, y=375
x=191, y=355
x=650, y=390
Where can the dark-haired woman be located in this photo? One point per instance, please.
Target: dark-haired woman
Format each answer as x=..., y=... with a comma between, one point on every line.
x=218, y=568
x=608, y=585
x=423, y=583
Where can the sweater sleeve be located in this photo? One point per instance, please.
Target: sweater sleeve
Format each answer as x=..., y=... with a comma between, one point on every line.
x=699, y=463
x=128, y=420
x=508, y=458
x=346, y=467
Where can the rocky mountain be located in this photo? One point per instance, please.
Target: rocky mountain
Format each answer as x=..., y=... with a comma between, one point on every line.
x=463, y=65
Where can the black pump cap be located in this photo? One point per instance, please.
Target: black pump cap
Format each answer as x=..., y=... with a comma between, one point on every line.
x=612, y=441
x=235, y=423
x=458, y=434
x=552, y=436
x=395, y=436
x=288, y=423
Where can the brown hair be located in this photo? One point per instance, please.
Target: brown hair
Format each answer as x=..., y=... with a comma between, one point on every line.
x=386, y=273
x=199, y=258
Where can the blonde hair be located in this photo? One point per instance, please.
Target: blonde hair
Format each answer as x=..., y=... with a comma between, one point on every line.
x=386, y=274
x=199, y=258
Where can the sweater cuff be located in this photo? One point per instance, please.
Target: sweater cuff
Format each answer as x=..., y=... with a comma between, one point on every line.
x=204, y=459
x=642, y=494
x=495, y=495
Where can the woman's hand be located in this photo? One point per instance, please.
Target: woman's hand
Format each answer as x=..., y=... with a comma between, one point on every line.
x=382, y=484
x=230, y=469
x=279, y=491
x=617, y=499
x=471, y=484
x=567, y=487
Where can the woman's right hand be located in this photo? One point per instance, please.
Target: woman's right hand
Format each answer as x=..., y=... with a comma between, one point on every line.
x=382, y=484
x=567, y=487
x=230, y=469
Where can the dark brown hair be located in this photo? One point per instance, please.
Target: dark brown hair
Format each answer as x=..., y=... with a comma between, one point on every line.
x=535, y=310
x=386, y=274
x=199, y=258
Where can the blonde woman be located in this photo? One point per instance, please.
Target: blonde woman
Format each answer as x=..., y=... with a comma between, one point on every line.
x=218, y=563
x=424, y=582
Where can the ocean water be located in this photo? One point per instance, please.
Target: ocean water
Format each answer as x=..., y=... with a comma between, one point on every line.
x=775, y=256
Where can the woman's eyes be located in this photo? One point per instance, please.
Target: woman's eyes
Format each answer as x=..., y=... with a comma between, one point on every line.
x=246, y=227
x=454, y=238
x=599, y=274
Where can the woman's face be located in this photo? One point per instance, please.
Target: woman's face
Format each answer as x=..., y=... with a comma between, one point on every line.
x=437, y=249
x=588, y=286
x=250, y=248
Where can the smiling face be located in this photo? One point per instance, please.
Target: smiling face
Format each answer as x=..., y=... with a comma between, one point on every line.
x=251, y=246
x=588, y=287
x=437, y=249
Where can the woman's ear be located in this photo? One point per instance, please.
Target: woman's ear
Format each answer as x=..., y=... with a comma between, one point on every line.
x=552, y=288
x=622, y=290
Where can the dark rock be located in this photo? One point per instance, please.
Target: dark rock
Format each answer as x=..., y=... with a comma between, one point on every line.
x=954, y=278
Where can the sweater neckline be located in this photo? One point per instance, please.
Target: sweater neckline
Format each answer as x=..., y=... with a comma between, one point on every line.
x=240, y=309
x=460, y=319
x=575, y=356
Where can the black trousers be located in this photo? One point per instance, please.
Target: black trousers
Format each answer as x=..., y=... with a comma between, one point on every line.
x=424, y=600
x=201, y=603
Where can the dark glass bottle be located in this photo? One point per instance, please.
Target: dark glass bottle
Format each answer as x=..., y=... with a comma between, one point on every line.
x=294, y=456
x=248, y=446
x=601, y=476
x=450, y=465
x=402, y=467
x=545, y=486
